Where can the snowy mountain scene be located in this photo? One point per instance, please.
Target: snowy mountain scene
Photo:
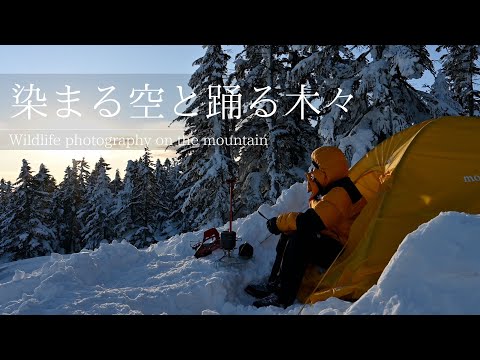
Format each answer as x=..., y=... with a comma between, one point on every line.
x=166, y=278
x=350, y=172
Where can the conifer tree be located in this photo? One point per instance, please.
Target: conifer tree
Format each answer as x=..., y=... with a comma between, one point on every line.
x=383, y=102
x=116, y=185
x=264, y=171
x=23, y=234
x=460, y=65
x=144, y=202
x=67, y=201
x=96, y=211
x=122, y=208
x=202, y=188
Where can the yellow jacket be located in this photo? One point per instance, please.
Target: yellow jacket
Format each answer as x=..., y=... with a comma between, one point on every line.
x=333, y=213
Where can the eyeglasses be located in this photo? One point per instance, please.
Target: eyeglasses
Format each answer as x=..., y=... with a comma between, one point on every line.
x=313, y=167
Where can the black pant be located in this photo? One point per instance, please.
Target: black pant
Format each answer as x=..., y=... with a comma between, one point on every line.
x=294, y=253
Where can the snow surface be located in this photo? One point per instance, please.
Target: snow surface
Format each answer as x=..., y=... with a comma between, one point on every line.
x=434, y=271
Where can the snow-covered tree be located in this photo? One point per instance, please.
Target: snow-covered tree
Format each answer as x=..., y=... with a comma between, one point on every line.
x=67, y=200
x=23, y=234
x=264, y=171
x=83, y=174
x=116, y=185
x=95, y=207
x=167, y=180
x=101, y=163
x=328, y=69
x=46, y=183
x=5, y=195
x=44, y=187
x=144, y=203
x=136, y=207
x=160, y=175
x=460, y=65
x=383, y=101
x=96, y=211
x=122, y=209
x=158, y=170
x=440, y=100
x=202, y=188
x=85, y=210
x=164, y=207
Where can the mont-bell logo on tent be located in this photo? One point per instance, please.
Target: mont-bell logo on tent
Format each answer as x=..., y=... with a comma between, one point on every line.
x=471, y=178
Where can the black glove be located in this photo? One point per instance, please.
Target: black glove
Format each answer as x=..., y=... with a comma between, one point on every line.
x=272, y=226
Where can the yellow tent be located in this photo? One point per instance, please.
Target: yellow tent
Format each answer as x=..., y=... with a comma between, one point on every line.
x=408, y=179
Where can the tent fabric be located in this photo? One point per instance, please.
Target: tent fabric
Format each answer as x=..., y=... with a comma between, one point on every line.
x=408, y=179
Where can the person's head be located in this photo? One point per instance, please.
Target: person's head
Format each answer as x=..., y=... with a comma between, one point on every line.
x=328, y=165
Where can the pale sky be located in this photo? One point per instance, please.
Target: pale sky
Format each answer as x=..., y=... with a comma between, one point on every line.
x=98, y=59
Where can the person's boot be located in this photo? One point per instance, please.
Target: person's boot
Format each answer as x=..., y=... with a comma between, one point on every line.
x=271, y=300
x=261, y=290
x=266, y=288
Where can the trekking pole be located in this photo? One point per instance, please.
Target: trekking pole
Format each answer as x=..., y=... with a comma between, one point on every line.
x=265, y=219
x=270, y=233
x=265, y=239
x=262, y=215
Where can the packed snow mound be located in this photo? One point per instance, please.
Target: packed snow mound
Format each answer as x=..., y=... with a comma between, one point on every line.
x=117, y=278
x=433, y=272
